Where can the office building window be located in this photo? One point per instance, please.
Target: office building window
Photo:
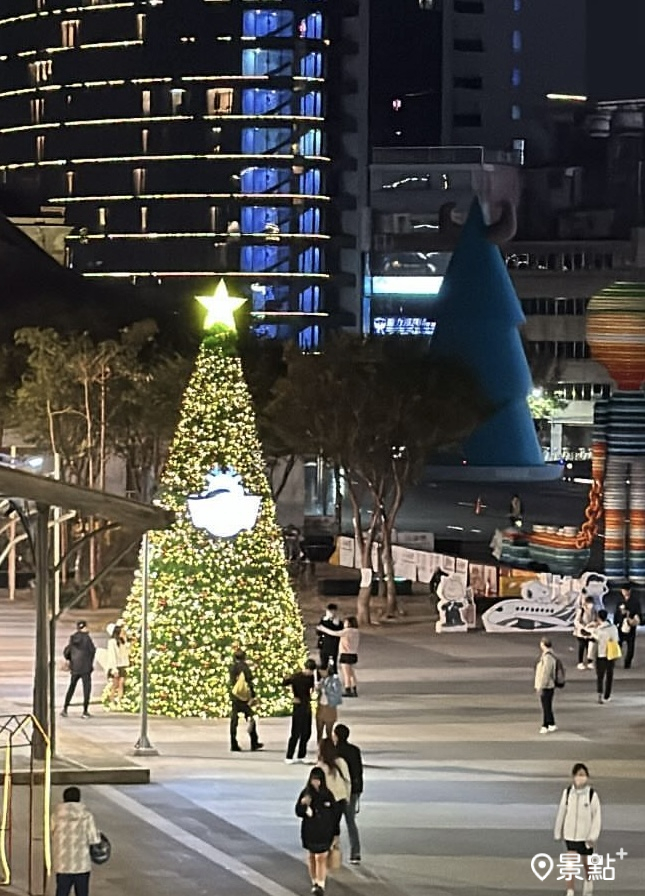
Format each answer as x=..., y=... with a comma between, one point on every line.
x=471, y=7
x=473, y=83
x=145, y=137
x=219, y=101
x=141, y=26
x=102, y=217
x=69, y=182
x=146, y=101
x=311, y=65
x=69, y=32
x=517, y=41
x=468, y=45
x=267, y=62
x=516, y=77
x=37, y=110
x=40, y=147
x=517, y=5
x=177, y=96
x=144, y=219
x=516, y=112
x=138, y=180
x=267, y=23
x=40, y=71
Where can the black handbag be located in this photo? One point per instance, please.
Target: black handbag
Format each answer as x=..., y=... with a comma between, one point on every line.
x=100, y=852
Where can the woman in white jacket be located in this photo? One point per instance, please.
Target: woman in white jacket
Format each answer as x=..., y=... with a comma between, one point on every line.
x=579, y=821
x=117, y=662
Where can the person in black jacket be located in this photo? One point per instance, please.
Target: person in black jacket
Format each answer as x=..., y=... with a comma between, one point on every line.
x=301, y=684
x=627, y=618
x=352, y=756
x=79, y=654
x=240, y=704
x=316, y=807
x=328, y=645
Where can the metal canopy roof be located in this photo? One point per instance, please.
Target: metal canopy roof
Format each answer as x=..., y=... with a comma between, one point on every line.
x=133, y=514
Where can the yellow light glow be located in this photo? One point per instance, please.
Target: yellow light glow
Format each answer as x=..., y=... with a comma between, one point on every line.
x=220, y=307
x=567, y=97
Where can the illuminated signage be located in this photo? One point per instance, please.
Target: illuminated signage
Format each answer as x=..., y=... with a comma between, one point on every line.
x=406, y=286
x=403, y=326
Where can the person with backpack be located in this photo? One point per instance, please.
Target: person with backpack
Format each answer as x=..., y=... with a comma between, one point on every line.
x=242, y=699
x=578, y=822
x=607, y=652
x=330, y=696
x=546, y=672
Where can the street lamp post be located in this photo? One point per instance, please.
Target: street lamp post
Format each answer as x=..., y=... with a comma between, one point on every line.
x=41, y=694
x=143, y=747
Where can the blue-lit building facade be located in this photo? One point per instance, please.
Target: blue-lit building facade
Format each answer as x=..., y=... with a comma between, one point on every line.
x=191, y=138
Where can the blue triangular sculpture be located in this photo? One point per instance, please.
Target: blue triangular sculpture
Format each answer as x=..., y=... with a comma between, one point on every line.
x=478, y=315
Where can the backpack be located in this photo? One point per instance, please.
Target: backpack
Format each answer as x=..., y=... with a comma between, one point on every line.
x=241, y=690
x=560, y=678
x=334, y=691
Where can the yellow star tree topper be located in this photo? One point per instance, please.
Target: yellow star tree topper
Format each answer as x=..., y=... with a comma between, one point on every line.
x=210, y=595
x=220, y=307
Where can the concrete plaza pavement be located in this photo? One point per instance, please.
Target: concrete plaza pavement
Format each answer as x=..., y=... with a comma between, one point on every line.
x=461, y=790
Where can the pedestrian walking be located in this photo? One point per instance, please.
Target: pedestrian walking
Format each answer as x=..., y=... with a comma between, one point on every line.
x=349, y=639
x=607, y=651
x=578, y=823
x=79, y=654
x=73, y=831
x=545, y=685
x=627, y=618
x=585, y=621
x=302, y=685
x=328, y=645
x=329, y=691
x=337, y=777
x=242, y=700
x=354, y=761
x=117, y=662
x=316, y=807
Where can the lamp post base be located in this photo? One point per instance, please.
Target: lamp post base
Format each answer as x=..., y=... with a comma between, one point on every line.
x=143, y=747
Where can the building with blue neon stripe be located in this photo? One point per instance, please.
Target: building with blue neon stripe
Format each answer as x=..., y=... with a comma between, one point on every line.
x=191, y=138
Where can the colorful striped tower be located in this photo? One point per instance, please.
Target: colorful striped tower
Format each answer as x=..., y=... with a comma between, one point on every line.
x=616, y=336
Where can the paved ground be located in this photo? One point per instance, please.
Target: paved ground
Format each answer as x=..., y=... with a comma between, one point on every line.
x=460, y=787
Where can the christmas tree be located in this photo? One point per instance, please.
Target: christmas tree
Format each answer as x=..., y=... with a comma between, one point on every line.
x=217, y=579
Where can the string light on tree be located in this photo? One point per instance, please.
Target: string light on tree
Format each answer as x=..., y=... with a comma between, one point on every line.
x=209, y=595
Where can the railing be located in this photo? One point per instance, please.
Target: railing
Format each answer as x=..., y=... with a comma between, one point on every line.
x=24, y=732
x=443, y=155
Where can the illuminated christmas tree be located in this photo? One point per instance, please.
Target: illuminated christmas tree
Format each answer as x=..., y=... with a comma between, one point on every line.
x=218, y=578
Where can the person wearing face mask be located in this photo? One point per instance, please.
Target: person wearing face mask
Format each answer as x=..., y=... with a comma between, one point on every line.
x=579, y=822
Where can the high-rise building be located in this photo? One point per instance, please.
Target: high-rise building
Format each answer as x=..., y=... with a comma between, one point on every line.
x=187, y=138
x=474, y=72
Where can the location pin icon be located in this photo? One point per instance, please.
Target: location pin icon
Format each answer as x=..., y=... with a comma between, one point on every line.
x=542, y=865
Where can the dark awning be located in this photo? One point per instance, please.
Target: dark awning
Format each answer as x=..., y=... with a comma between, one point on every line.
x=133, y=514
